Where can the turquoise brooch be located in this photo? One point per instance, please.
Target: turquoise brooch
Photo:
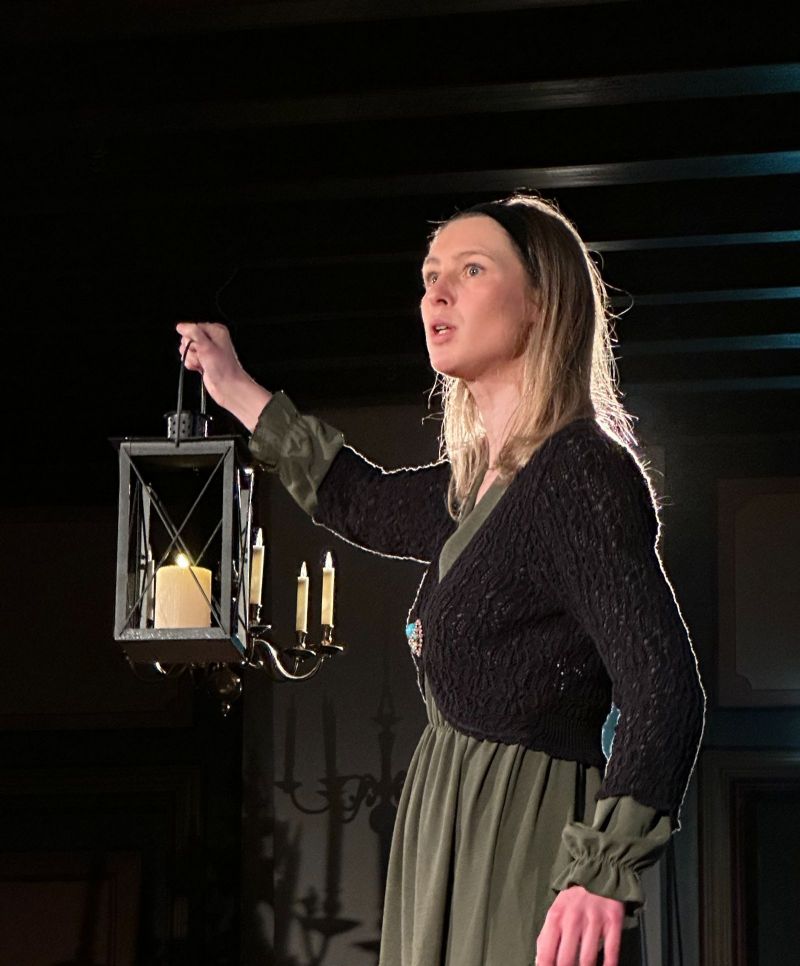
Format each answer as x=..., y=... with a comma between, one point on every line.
x=414, y=635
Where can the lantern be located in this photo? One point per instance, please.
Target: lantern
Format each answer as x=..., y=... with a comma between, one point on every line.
x=189, y=575
x=183, y=550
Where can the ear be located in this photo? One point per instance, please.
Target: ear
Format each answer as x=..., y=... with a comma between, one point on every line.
x=523, y=336
x=533, y=299
x=533, y=310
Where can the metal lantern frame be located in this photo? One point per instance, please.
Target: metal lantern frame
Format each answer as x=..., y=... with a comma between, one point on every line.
x=141, y=509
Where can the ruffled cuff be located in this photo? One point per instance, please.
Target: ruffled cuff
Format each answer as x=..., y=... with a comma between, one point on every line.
x=299, y=448
x=607, y=857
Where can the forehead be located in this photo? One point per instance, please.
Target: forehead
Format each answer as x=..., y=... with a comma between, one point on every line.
x=472, y=233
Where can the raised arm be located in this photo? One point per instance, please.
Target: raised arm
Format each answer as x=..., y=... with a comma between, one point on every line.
x=398, y=513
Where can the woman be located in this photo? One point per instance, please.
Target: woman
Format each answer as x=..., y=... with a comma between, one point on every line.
x=544, y=600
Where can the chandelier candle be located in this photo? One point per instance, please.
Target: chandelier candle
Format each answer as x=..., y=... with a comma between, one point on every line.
x=301, y=620
x=180, y=602
x=327, y=591
x=257, y=569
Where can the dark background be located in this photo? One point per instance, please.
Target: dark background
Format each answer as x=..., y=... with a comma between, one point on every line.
x=278, y=165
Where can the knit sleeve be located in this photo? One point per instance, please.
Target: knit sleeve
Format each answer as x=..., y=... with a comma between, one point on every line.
x=602, y=533
x=608, y=856
x=396, y=513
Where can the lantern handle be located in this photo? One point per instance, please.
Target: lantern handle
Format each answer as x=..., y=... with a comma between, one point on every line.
x=179, y=407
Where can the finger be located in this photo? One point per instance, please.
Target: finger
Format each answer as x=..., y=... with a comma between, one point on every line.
x=611, y=944
x=547, y=942
x=590, y=944
x=568, y=947
x=188, y=354
x=193, y=331
x=215, y=332
x=188, y=346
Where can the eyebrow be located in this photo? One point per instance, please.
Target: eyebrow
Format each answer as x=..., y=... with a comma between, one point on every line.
x=469, y=251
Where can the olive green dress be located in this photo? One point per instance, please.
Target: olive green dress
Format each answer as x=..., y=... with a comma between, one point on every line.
x=486, y=833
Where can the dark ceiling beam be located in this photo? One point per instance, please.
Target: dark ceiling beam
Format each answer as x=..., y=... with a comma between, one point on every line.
x=444, y=184
x=82, y=20
x=743, y=343
x=575, y=92
x=449, y=183
x=742, y=384
x=754, y=238
x=783, y=293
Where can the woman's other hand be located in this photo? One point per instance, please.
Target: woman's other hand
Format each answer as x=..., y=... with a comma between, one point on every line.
x=576, y=924
x=211, y=353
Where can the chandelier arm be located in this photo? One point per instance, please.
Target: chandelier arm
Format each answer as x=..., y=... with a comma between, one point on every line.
x=277, y=664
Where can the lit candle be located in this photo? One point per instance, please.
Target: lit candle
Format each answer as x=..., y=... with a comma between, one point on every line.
x=180, y=602
x=327, y=591
x=257, y=569
x=301, y=620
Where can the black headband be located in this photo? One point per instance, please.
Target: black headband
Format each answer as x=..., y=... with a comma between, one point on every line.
x=507, y=217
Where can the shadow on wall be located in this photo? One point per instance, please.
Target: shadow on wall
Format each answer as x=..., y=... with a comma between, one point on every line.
x=308, y=918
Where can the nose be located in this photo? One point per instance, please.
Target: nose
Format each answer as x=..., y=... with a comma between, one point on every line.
x=440, y=292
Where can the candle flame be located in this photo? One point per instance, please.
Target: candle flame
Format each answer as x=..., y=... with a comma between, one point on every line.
x=329, y=561
x=182, y=561
x=303, y=571
x=259, y=538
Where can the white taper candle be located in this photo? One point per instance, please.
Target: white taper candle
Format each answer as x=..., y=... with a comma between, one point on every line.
x=257, y=569
x=301, y=619
x=328, y=575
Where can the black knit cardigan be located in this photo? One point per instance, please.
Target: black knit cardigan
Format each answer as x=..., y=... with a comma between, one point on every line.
x=558, y=605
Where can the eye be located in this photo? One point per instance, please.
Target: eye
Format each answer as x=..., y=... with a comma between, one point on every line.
x=429, y=278
x=473, y=270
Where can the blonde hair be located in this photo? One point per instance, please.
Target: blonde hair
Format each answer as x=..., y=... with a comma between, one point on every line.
x=569, y=370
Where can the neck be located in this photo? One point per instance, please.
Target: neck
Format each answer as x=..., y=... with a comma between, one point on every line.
x=497, y=400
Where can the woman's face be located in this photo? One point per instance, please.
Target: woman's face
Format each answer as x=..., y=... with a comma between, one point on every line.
x=478, y=300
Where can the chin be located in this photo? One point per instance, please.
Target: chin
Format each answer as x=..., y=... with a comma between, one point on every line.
x=452, y=372
x=444, y=366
